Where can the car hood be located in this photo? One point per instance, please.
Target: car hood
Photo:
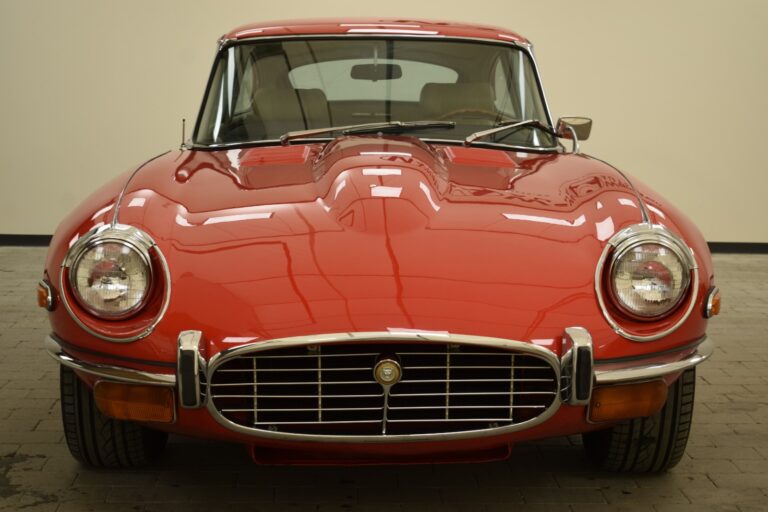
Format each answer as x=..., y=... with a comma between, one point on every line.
x=380, y=233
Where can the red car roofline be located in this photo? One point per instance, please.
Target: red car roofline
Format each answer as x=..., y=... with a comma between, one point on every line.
x=374, y=26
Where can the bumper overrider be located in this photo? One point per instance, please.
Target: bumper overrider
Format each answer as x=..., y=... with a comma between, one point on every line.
x=401, y=386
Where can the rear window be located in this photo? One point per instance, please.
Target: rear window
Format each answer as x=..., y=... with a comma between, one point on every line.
x=334, y=78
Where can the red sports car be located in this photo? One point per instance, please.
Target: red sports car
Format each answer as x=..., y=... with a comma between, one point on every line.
x=375, y=248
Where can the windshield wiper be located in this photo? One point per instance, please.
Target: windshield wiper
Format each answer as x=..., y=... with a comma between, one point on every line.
x=388, y=127
x=511, y=126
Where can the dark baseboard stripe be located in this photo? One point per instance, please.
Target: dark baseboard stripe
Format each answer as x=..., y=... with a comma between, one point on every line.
x=26, y=240
x=717, y=247
x=739, y=247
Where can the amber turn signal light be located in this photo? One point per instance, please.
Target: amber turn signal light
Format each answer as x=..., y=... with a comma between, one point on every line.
x=713, y=303
x=44, y=295
x=135, y=402
x=626, y=401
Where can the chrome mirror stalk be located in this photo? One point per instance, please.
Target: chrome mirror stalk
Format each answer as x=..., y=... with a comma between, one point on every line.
x=575, y=148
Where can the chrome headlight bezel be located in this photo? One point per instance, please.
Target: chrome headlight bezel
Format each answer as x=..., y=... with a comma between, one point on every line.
x=624, y=249
x=136, y=323
x=141, y=252
x=618, y=246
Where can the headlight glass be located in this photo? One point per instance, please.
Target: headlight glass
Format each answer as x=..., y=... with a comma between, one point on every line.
x=649, y=280
x=111, y=279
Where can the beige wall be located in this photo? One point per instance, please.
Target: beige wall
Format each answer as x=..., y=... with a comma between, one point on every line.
x=677, y=90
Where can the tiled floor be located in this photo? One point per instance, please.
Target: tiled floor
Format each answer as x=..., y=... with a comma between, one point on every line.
x=724, y=469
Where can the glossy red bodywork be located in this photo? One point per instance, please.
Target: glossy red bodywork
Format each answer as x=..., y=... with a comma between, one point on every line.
x=362, y=26
x=374, y=233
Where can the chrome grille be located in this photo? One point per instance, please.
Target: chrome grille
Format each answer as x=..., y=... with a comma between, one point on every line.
x=330, y=389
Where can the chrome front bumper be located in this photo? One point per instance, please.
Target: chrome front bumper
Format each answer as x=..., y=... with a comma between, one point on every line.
x=104, y=371
x=576, y=366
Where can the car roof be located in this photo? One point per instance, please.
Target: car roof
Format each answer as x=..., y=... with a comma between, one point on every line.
x=373, y=26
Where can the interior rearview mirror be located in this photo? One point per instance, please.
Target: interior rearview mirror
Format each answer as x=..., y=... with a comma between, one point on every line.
x=376, y=72
x=582, y=126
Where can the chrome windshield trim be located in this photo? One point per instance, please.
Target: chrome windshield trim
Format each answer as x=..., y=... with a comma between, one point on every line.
x=112, y=373
x=256, y=37
x=425, y=336
x=322, y=140
x=641, y=233
x=223, y=42
x=527, y=48
x=653, y=366
x=128, y=235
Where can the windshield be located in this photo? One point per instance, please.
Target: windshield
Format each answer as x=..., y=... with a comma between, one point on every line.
x=259, y=91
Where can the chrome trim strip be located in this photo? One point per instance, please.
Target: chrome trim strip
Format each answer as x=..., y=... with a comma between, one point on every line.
x=654, y=367
x=130, y=235
x=428, y=337
x=528, y=48
x=189, y=362
x=112, y=373
x=640, y=358
x=323, y=140
x=125, y=187
x=654, y=233
x=222, y=42
x=646, y=216
x=374, y=35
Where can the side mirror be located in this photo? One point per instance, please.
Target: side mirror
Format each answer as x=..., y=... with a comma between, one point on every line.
x=581, y=125
x=574, y=128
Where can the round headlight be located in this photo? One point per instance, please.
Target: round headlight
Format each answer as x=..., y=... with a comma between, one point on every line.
x=111, y=279
x=648, y=280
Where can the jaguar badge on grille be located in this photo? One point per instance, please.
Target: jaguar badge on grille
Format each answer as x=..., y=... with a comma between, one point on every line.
x=387, y=372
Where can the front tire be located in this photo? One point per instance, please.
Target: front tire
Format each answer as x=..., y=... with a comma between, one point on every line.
x=648, y=445
x=97, y=440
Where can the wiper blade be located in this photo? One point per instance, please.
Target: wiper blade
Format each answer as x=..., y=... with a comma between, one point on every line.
x=511, y=126
x=401, y=126
x=393, y=126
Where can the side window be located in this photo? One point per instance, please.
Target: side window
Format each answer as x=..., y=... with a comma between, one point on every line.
x=334, y=78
